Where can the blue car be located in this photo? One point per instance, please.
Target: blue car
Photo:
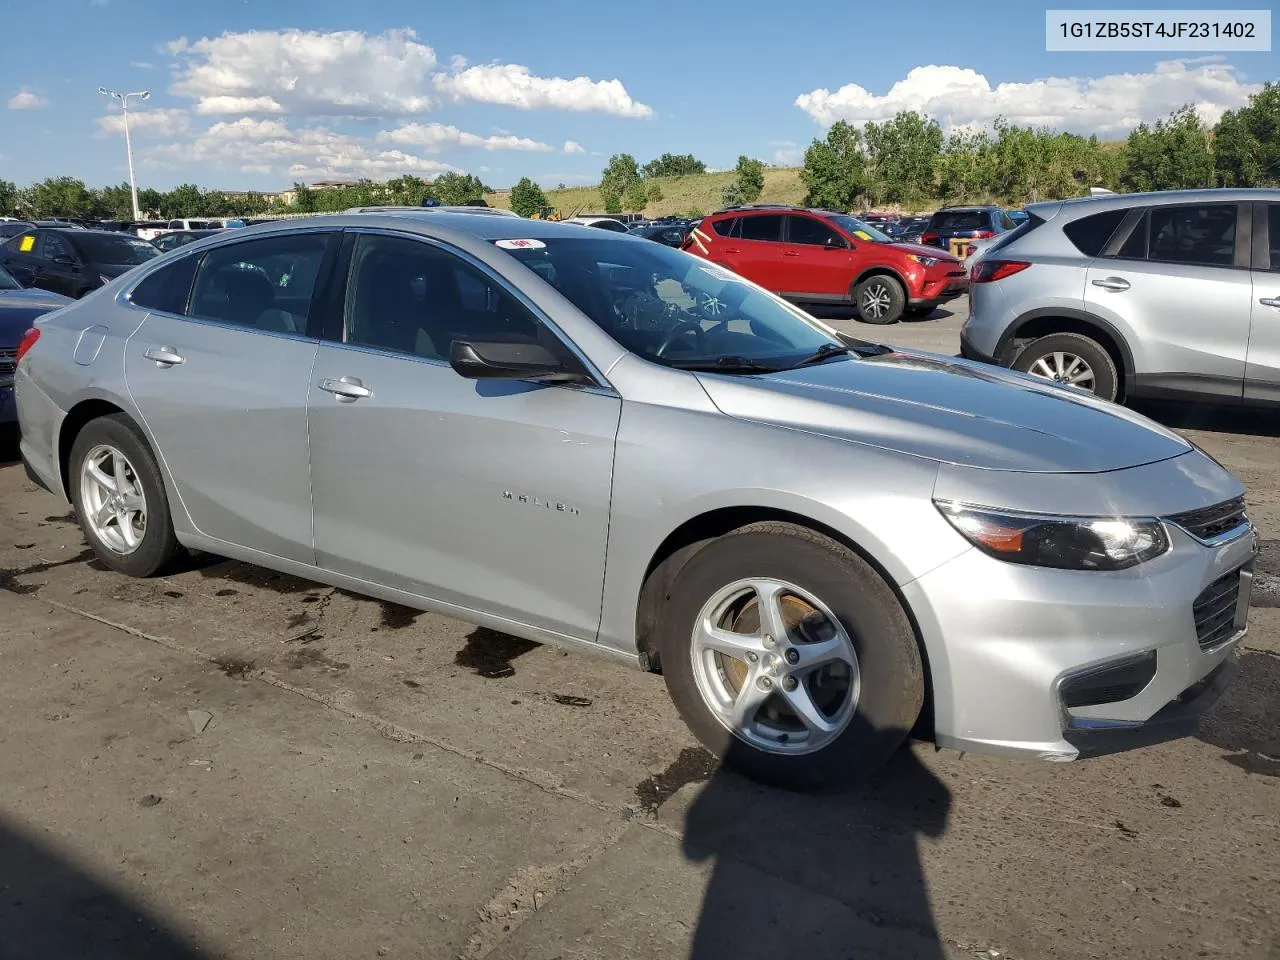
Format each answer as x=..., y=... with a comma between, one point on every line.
x=18, y=308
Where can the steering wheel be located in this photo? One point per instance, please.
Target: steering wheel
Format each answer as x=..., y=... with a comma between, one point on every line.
x=681, y=328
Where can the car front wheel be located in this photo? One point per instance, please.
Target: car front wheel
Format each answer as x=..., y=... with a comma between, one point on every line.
x=790, y=657
x=120, y=498
x=879, y=299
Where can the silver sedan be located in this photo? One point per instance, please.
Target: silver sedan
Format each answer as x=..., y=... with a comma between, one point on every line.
x=596, y=441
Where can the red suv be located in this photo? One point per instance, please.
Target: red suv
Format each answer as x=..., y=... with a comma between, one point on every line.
x=812, y=256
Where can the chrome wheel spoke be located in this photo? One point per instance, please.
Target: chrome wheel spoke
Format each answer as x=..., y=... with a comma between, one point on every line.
x=104, y=514
x=807, y=711
x=133, y=503
x=742, y=712
x=736, y=645
x=772, y=622
x=820, y=654
x=100, y=477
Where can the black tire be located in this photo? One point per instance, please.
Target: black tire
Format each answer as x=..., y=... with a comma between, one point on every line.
x=890, y=667
x=887, y=290
x=1106, y=379
x=159, y=546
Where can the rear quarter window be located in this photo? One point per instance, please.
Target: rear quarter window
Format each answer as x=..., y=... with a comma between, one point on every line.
x=727, y=226
x=168, y=289
x=1021, y=230
x=1090, y=234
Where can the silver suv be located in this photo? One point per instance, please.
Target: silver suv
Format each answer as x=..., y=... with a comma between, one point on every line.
x=1171, y=295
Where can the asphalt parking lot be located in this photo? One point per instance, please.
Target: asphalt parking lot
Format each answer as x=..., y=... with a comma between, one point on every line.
x=229, y=762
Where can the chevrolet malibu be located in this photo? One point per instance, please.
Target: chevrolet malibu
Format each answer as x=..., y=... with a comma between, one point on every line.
x=600, y=442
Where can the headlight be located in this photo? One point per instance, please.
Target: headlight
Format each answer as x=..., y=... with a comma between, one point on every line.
x=923, y=260
x=1065, y=543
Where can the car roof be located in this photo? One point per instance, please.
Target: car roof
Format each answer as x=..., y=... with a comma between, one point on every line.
x=1078, y=205
x=392, y=208
x=440, y=223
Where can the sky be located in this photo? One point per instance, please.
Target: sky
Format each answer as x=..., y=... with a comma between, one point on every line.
x=257, y=94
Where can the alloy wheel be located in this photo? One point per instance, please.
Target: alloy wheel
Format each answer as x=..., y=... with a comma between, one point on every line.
x=114, y=502
x=1064, y=367
x=775, y=666
x=876, y=301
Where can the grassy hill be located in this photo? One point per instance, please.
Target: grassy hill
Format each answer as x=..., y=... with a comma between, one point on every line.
x=680, y=195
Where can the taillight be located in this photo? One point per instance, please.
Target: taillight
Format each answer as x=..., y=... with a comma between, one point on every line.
x=929, y=238
x=26, y=343
x=989, y=271
x=983, y=234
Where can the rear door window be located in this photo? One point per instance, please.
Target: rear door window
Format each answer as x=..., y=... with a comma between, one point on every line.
x=1204, y=234
x=1090, y=234
x=53, y=245
x=1273, y=228
x=265, y=284
x=766, y=227
x=726, y=227
x=1135, y=245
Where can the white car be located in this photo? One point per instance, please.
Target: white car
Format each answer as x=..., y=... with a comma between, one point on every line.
x=603, y=223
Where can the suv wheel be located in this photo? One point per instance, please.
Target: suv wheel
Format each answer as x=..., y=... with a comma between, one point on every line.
x=790, y=657
x=1073, y=359
x=879, y=299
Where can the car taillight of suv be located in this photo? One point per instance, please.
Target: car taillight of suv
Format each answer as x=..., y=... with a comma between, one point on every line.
x=989, y=271
x=814, y=256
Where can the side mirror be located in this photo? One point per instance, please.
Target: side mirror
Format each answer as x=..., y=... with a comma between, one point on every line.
x=497, y=360
x=63, y=260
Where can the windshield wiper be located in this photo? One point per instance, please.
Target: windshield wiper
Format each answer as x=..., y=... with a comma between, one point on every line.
x=727, y=364
x=823, y=352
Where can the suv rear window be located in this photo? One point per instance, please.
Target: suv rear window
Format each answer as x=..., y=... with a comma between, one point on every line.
x=1090, y=234
x=960, y=220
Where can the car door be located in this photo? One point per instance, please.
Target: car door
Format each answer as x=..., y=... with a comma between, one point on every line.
x=20, y=257
x=760, y=250
x=485, y=494
x=1262, y=367
x=1178, y=284
x=816, y=259
x=221, y=377
x=59, y=268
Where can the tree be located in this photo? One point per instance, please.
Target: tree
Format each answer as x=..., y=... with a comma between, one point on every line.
x=750, y=179
x=1246, y=142
x=304, y=198
x=8, y=198
x=731, y=195
x=612, y=202
x=409, y=191
x=183, y=202
x=148, y=202
x=619, y=175
x=654, y=193
x=901, y=155
x=834, y=169
x=527, y=197
x=1171, y=155
x=455, y=189
x=636, y=197
x=56, y=197
x=116, y=202
x=674, y=165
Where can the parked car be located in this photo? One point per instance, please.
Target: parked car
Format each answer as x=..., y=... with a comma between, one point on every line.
x=180, y=238
x=602, y=223
x=952, y=228
x=912, y=228
x=814, y=256
x=584, y=439
x=11, y=228
x=673, y=235
x=150, y=229
x=19, y=308
x=72, y=262
x=1172, y=295
x=1017, y=216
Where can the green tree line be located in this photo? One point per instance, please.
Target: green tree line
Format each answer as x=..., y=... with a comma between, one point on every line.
x=906, y=161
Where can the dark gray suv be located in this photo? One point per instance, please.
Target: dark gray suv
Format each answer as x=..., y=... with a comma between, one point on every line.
x=1172, y=295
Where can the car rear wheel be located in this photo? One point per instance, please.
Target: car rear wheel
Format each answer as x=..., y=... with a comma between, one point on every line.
x=1073, y=359
x=879, y=299
x=790, y=657
x=120, y=498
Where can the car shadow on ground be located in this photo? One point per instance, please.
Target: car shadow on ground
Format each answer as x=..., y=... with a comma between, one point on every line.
x=1216, y=418
x=840, y=312
x=1245, y=723
x=54, y=909
x=823, y=875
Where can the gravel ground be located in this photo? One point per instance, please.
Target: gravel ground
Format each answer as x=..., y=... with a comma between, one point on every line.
x=229, y=762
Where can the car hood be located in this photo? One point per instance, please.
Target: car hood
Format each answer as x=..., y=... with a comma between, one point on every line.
x=952, y=411
x=19, y=307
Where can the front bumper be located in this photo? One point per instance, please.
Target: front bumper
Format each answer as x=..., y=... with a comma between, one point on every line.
x=1003, y=639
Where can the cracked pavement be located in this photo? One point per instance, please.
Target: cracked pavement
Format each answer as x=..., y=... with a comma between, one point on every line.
x=379, y=782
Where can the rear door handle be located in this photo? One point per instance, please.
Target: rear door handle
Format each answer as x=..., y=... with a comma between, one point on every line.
x=732, y=250
x=346, y=389
x=1112, y=283
x=164, y=356
x=790, y=253
x=1270, y=302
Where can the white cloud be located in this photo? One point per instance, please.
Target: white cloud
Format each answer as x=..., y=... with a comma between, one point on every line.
x=512, y=85
x=256, y=168
x=142, y=65
x=573, y=146
x=786, y=153
x=1108, y=105
x=437, y=136
x=147, y=123
x=24, y=99
x=306, y=73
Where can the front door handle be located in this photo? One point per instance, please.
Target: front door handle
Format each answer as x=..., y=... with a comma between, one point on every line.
x=731, y=250
x=790, y=253
x=346, y=389
x=1112, y=283
x=164, y=356
x=1270, y=301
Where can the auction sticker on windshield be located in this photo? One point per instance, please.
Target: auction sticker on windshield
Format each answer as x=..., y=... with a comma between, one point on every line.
x=519, y=244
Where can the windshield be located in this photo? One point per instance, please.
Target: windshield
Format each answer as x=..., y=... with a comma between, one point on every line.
x=858, y=229
x=673, y=308
x=97, y=248
x=959, y=220
x=7, y=282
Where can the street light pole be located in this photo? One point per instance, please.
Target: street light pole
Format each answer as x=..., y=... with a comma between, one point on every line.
x=128, y=147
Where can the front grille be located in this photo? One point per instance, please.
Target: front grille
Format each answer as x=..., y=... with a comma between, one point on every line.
x=1211, y=522
x=8, y=361
x=1215, y=611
